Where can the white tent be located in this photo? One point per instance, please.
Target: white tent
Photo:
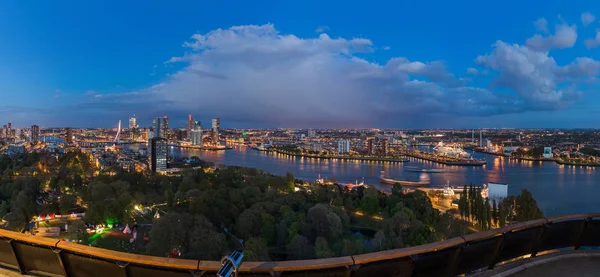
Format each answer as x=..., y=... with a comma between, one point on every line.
x=127, y=230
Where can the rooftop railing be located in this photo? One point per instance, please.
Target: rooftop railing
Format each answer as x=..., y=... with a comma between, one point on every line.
x=464, y=254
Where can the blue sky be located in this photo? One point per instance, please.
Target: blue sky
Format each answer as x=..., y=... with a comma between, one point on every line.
x=405, y=64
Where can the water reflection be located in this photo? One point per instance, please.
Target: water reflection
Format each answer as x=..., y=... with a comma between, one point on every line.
x=558, y=189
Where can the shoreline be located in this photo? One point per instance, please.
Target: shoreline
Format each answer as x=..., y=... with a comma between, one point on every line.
x=394, y=160
x=398, y=160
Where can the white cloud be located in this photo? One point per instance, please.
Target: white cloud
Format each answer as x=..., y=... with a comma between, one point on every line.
x=587, y=18
x=541, y=25
x=257, y=74
x=565, y=37
x=593, y=42
x=386, y=48
x=322, y=29
x=535, y=76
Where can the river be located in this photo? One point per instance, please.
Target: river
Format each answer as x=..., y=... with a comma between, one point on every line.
x=558, y=189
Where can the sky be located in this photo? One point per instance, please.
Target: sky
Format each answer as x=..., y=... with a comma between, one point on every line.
x=301, y=64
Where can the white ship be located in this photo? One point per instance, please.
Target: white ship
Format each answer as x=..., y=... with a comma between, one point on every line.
x=451, y=151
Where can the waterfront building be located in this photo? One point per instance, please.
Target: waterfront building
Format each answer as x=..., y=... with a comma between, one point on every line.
x=196, y=134
x=158, y=154
x=132, y=122
x=216, y=122
x=34, y=135
x=190, y=126
x=343, y=146
x=370, y=148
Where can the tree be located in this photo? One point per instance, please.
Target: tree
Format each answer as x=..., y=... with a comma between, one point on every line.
x=256, y=250
x=3, y=209
x=495, y=213
x=324, y=222
x=67, y=202
x=289, y=180
x=370, y=202
x=299, y=248
x=379, y=241
x=77, y=231
x=322, y=249
x=397, y=190
x=169, y=197
x=16, y=220
x=526, y=207
x=487, y=216
x=194, y=235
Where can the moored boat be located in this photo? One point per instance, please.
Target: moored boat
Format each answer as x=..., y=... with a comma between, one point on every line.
x=423, y=180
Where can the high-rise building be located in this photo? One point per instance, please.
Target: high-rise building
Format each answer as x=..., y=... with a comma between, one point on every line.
x=216, y=122
x=190, y=126
x=165, y=127
x=157, y=154
x=34, y=133
x=160, y=125
x=480, y=138
x=312, y=133
x=132, y=122
x=196, y=137
x=68, y=135
x=9, y=131
x=343, y=146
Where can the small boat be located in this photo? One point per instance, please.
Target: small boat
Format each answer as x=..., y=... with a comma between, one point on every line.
x=423, y=180
x=430, y=170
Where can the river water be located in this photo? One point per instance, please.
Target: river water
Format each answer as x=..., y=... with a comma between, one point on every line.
x=558, y=189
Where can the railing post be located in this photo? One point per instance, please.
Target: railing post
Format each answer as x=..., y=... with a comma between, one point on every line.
x=14, y=252
x=538, y=240
x=581, y=232
x=454, y=260
x=497, y=251
x=60, y=259
x=124, y=266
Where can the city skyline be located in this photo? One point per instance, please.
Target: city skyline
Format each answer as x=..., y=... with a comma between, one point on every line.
x=455, y=67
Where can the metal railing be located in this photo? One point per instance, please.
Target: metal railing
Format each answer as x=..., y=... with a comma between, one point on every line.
x=445, y=258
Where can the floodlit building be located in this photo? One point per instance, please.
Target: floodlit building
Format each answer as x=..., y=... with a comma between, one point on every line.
x=343, y=146
x=196, y=134
x=158, y=154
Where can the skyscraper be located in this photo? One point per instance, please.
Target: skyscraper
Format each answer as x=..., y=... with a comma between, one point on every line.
x=165, y=127
x=35, y=134
x=157, y=155
x=68, y=135
x=312, y=133
x=216, y=122
x=132, y=122
x=190, y=126
x=160, y=125
x=196, y=137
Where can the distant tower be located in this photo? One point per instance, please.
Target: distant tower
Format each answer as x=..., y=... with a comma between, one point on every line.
x=473, y=137
x=118, y=136
x=132, y=122
x=35, y=133
x=190, y=126
x=68, y=136
x=480, y=138
x=160, y=125
x=216, y=122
